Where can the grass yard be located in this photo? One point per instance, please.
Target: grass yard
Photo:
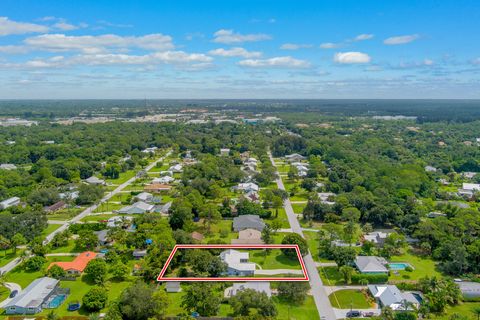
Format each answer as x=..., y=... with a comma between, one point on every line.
x=100, y=217
x=298, y=207
x=220, y=232
x=282, y=217
x=4, y=293
x=49, y=229
x=275, y=260
x=64, y=214
x=124, y=176
x=108, y=207
x=7, y=256
x=286, y=311
x=331, y=276
x=66, y=249
x=422, y=267
x=464, y=309
x=346, y=299
x=312, y=241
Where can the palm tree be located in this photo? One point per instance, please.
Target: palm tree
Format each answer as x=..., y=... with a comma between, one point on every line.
x=476, y=311
x=52, y=316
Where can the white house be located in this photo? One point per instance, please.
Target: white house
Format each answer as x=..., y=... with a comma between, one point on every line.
x=294, y=157
x=377, y=237
x=247, y=187
x=237, y=263
x=176, y=168
x=326, y=196
x=31, y=299
x=164, y=180
x=150, y=150
x=117, y=221
x=471, y=186
x=430, y=169
x=14, y=201
x=137, y=208
x=391, y=296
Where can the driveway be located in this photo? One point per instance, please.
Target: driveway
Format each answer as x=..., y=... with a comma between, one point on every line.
x=320, y=297
x=270, y=272
x=10, y=286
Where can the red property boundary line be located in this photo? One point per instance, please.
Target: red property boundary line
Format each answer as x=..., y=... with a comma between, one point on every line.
x=234, y=246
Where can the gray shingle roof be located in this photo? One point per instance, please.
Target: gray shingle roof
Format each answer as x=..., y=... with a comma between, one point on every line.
x=248, y=221
x=34, y=295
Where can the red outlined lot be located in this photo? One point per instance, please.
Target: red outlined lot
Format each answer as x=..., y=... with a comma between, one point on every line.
x=233, y=246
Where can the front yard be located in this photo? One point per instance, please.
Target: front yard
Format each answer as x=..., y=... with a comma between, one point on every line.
x=351, y=299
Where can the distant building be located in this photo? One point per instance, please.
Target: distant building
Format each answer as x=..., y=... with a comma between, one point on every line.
x=377, y=237
x=247, y=187
x=139, y=207
x=95, y=181
x=144, y=196
x=197, y=236
x=237, y=263
x=10, y=202
x=294, y=157
x=470, y=290
x=56, y=206
x=31, y=299
x=139, y=254
x=156, y=187
x=430, y=169
x=78, y=264
x=118, y=221
x=163, y=180
x=259, y=286
x=371, y=264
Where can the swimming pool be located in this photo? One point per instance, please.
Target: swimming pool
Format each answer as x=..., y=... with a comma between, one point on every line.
x=57, y=301
x=399, y=265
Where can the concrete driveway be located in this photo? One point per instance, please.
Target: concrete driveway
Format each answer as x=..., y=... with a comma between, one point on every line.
x=10, y=286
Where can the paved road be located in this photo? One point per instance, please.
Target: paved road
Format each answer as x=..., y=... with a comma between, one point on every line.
x=325, y=309
x=12, y=264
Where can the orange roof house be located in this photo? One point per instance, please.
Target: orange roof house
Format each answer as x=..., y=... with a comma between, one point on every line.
x=77, y=265
x=156, y=187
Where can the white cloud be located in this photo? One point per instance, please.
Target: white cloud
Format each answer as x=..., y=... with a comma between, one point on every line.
x=329, y=45
x=8, y=27
x=428, y=62
x=99, y=44
x=276, y=62
x=229, y=36
x=363, y=36
x=235, y=52
x=351, y=57
x=476, y=61
x=167, y=57
x=11, y=49
x=401, y=39
x=294, y=46
x=64, y=26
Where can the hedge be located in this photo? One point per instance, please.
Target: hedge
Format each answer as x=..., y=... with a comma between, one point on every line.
x=371, y=278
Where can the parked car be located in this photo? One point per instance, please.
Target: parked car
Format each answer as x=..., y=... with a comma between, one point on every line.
x=13, y=293
x=353, y=314
x=369, y=314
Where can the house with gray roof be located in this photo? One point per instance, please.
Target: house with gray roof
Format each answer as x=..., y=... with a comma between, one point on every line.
x=237, y=263
x=31, y=299
x=10, y=202
x=248, y=221
x=137, y=208
x=391, y=296
x=371, y=264
x=470, y=290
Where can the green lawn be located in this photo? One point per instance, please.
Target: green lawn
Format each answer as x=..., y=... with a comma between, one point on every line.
x=331, y=276
x=464, y=309
x=275, y=260
x=8, y=255
x=100, y=217
x=346, y=299
x=108, y=207
x=220, y=232
x=66, y=249
x=124, y=176
x=64, y=214
x=286, y=311
x=50, y=228
x=4, y=292
x=312, y=241
x=422, y=267
x=282, y=217
x=298, y=207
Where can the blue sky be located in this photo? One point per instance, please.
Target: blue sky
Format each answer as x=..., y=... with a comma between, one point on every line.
x=239, y=49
